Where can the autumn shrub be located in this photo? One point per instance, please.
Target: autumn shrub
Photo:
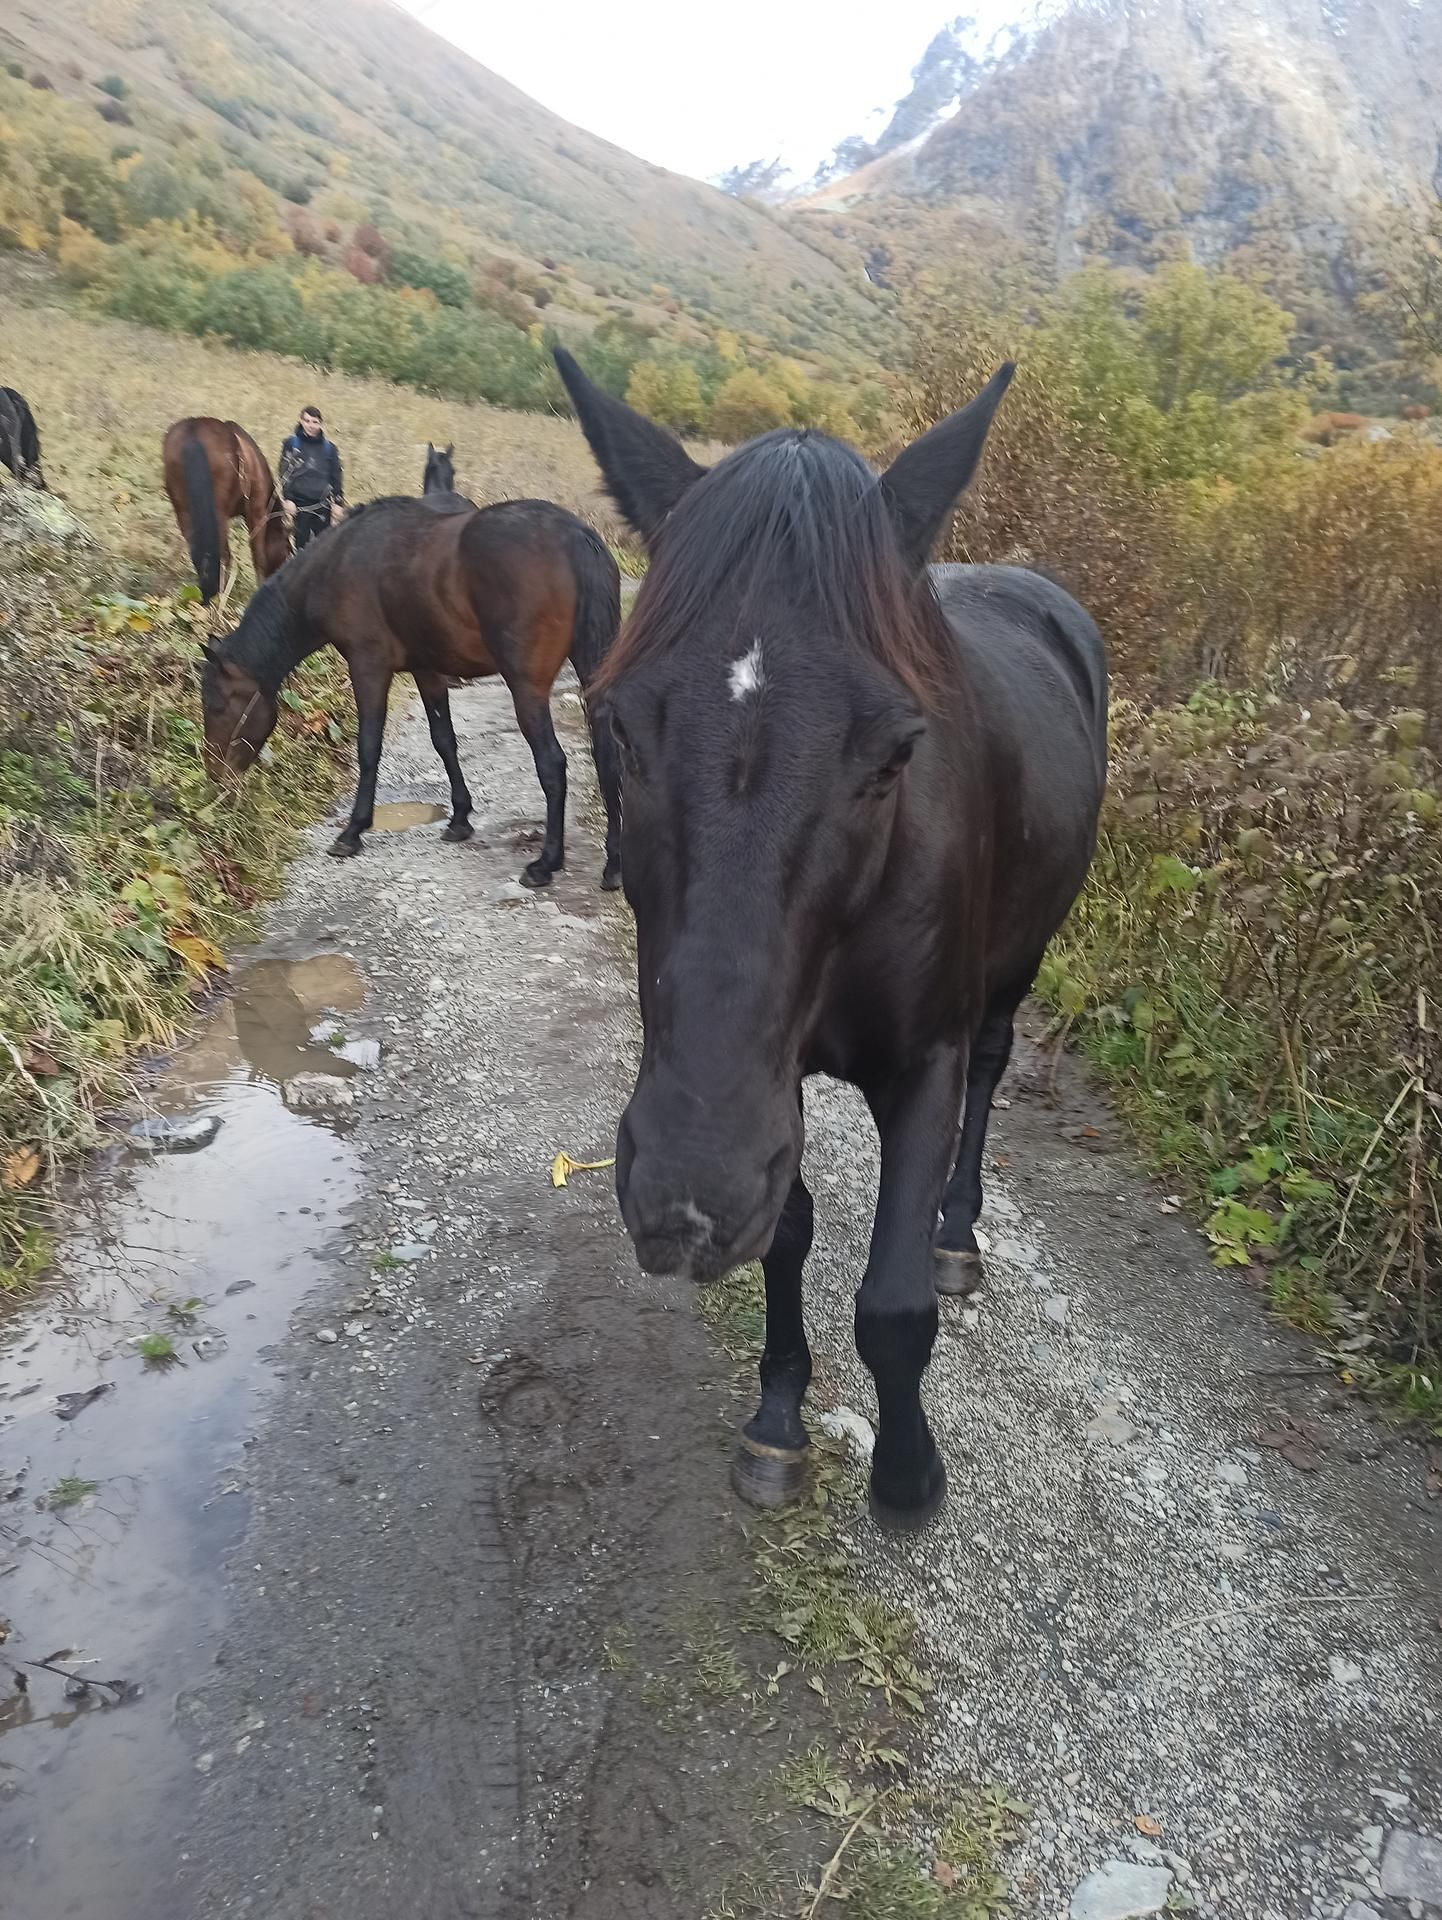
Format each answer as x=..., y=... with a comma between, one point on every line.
x=1182, y=507
x=449, y=283
x=1255, y=964
x=361, y=266
x=747, y=404
x=254, y=307
x=668, y=391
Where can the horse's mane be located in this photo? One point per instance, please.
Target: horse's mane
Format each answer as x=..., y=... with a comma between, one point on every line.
x=799, y=518
x=266, y=643
x=453, y=503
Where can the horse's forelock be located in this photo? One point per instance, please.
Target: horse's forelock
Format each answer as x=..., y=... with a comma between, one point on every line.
x=796, y=518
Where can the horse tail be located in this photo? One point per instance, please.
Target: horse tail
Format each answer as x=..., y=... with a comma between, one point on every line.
x=598, y=621
x=200, y=505
x=12, y=433
x=598, y=603
x=30, y=442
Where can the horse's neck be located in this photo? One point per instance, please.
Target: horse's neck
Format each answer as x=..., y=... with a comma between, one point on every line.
x=272, y=645
x=258, y=488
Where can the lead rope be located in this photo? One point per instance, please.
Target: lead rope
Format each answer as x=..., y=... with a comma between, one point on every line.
x=235, y=730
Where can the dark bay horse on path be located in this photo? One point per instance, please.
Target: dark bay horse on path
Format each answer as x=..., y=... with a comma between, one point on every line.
x=860, y=797
x=440, y=589
x=215, y=473
x=19, y=438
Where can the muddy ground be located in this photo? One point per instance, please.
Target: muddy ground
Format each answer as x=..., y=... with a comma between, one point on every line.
x=421, y=1553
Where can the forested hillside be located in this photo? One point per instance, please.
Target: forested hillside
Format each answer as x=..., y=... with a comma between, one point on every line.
x=394, y=207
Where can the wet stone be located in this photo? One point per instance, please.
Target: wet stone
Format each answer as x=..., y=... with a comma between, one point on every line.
x=309, y=1091
x=363, y=1054
x=1112, y=1428
x=846, y=1424
x=1121, y=1890
x=184, y=1134
x=1412, y=1867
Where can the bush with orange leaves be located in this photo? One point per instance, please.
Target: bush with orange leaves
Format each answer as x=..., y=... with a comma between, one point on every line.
x=1255, y=961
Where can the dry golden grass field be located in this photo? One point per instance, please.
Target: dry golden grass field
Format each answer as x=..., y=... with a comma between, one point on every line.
x=104, y=392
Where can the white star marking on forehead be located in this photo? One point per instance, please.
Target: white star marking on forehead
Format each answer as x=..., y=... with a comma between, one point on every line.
x=746, y=673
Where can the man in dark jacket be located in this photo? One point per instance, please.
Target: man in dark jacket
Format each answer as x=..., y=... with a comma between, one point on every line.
x=310, y=481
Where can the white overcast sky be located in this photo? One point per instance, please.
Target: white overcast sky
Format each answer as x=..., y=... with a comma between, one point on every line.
x=699, y=87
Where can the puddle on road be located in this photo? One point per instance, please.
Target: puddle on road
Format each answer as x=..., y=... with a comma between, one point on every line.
x=397, y=816
x=114, y=1523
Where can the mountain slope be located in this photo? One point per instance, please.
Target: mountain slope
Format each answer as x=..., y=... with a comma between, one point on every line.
x=358, y=107
x=1269, y=133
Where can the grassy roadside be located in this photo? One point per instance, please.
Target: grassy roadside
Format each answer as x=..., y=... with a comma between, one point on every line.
x=124, y=874
x=1253, y=968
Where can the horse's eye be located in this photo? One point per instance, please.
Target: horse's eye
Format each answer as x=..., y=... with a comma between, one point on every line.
x=889, y=772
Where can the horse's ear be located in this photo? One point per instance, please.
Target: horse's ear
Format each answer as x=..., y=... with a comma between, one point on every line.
x=450, y=450
x=211, y=652
x=923, y=484
x=646, y=469
x=430, y=450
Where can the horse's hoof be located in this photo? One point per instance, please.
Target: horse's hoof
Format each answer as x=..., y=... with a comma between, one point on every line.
x=611, y=879
x=956, y=1274
x=768, y=1476
x=343, y=849
x=538, y=874
x=897, y=1519
x=459, y=830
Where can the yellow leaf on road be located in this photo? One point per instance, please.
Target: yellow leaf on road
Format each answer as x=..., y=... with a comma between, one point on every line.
x=19, y=1169
x=563, y=1166
x=200, y=955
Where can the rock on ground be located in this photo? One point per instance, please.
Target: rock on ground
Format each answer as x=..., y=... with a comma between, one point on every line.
x=1121, y=1890
x=1412, y=1868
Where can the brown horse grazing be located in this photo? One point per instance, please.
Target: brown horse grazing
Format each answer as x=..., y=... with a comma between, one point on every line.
x=215, y=473
x=439, y=589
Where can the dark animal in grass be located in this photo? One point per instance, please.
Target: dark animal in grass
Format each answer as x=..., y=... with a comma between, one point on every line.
x=861, y=795
x=435, y=588
x=215, y=473
x=19, y=439
x=440, y=474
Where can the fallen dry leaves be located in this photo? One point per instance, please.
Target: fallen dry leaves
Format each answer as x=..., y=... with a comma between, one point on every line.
x=19, y=1168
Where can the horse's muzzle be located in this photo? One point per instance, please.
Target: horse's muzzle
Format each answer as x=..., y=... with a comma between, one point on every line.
x=695, y=1223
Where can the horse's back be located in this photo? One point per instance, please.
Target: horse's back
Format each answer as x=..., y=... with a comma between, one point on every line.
x=1034, y=669
x=1030, y=653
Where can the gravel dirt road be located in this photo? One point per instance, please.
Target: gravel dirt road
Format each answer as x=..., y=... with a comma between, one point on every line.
x=413, y=1555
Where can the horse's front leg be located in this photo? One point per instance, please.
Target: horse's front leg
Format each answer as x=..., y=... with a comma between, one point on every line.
x=896, y=1305
x=372, y=689
x=771, y=1454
